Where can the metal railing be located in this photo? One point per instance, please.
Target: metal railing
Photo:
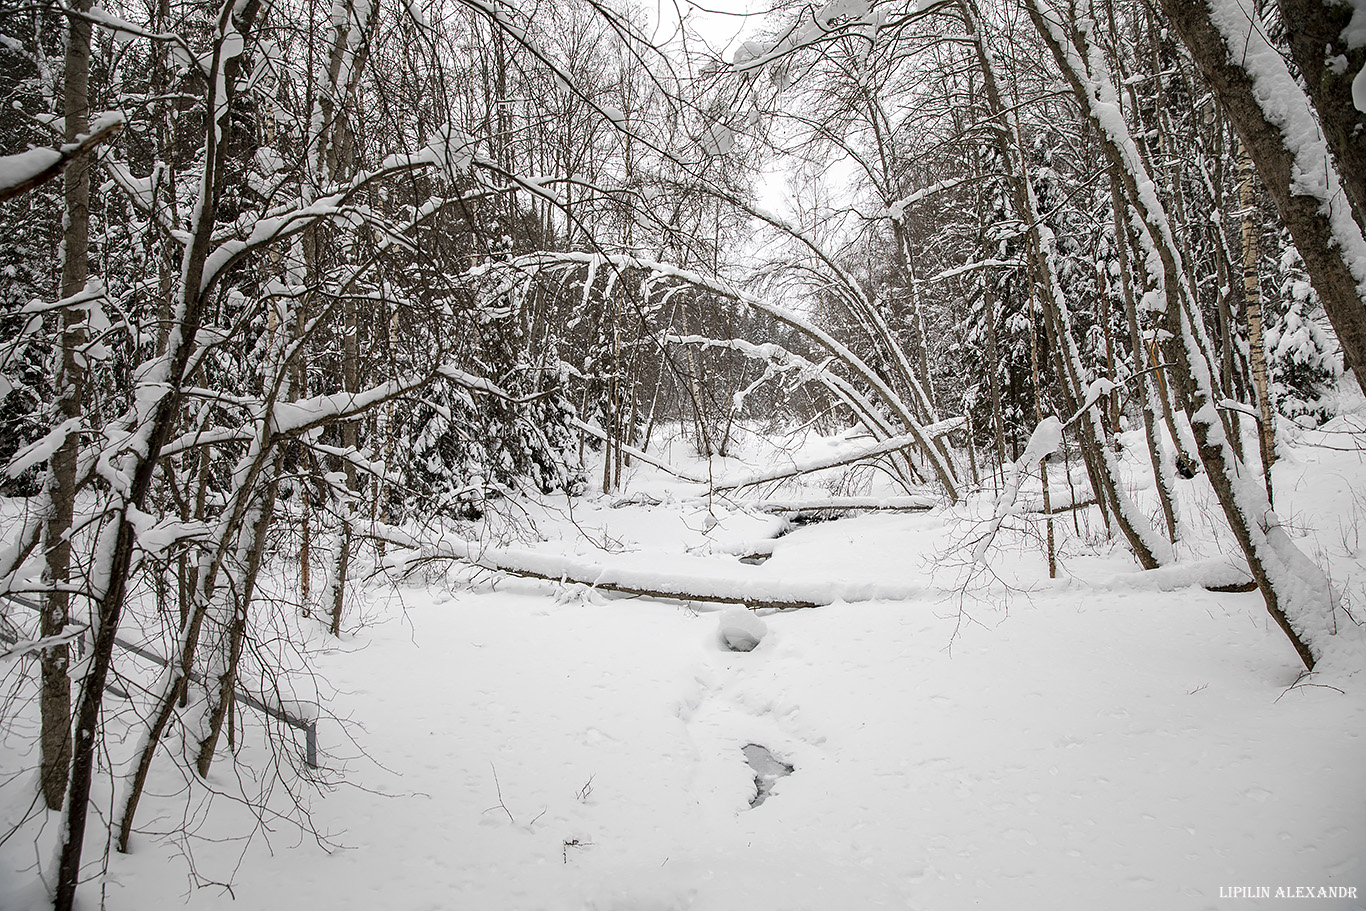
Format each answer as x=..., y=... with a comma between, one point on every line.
x=308, y=725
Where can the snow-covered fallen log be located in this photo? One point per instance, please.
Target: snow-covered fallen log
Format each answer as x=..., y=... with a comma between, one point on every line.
x=817, y=504
x=1035, y=506
x=1222, y=574
x=752, y=590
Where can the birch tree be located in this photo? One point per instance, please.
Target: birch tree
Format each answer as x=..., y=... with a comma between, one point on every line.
x=1297, y=594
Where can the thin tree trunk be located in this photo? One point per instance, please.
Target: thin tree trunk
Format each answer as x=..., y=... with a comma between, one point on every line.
x=1228, y=295
x=1162, y=474
x=972, y=449
x=1252, y=297
x=1051, y=550
x=161, y=393
x=61, y=480
x=350, y=437
x=340, y=143
x=993, y=377
x=251, y=545
x=251, y=517
x=704, y=443
x=308, y=247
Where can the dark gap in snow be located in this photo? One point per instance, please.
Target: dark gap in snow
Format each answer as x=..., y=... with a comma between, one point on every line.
x=1233, y=587
x=636, y=499
x=767, y=770
x=802, y=519
x=1185, y=468
x=755, y=559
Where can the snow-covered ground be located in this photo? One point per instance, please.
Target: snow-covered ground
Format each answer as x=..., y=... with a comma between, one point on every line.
x=1108, y=739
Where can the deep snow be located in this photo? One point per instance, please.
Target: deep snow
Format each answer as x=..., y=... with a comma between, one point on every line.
x=1109, y=739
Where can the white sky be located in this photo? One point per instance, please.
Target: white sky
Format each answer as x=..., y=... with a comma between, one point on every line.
x=721, y=24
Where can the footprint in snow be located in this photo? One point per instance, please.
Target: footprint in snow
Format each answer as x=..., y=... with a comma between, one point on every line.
x=767, y=770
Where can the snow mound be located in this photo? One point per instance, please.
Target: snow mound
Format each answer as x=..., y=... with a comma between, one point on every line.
x=741, y=630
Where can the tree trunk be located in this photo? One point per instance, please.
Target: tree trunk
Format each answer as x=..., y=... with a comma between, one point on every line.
x=338, y=143
x=161, y=392
x=61, y=480
x=1229, y=295
x=1252, y=297
x=1329, y=65
x=993, y=373
x=346, y=503
x=1050, y=547
x=251, y=544
x=1325, y=233
x=250, y=519
x=1162, y=474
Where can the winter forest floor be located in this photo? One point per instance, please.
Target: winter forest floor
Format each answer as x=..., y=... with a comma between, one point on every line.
x=997, y=739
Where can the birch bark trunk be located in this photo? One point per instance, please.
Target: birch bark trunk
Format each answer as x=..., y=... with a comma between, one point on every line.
x=1298, y=595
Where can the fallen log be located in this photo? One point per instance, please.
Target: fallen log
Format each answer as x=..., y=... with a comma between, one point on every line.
x=1215, y=574
x=851, y=504
x=1036, y=509
x=754, y=591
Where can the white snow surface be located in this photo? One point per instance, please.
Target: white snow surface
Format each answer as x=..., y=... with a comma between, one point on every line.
x=1111, y=739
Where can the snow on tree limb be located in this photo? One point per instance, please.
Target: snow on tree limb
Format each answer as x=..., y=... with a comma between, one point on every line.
x=26, y=170
x=638, y=453
x=806, y=467
x=940, y=466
